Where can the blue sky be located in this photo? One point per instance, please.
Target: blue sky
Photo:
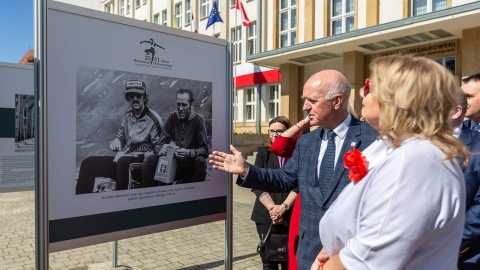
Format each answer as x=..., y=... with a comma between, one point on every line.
x=16, y=29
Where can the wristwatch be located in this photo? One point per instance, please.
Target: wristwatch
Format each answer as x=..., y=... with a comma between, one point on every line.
x=286, y=206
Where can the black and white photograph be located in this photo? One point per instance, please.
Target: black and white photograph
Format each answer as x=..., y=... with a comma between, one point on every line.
x=24, y=123
x=140, y=131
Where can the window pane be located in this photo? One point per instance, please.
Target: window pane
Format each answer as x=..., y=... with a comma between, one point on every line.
x=439, y=60
x=293, y=38
x=249, y=113
x=239, y=51
x=336, y=8
x=293, y=2
x=349, y=6
x=439, y=5
x=252, y=29
x=283, y=40
x=419, y=7
x=283, y=21
x=293, y=18
x=336, y=27
x=450, y=64
x=349, y=24
x=251, y=47
x=283, y=4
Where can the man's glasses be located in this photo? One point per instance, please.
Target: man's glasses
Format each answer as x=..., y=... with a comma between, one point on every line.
x=366, y=88
x=134, y=95
x=277, y=132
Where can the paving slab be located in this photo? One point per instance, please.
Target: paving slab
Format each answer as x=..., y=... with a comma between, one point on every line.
x=195, y=247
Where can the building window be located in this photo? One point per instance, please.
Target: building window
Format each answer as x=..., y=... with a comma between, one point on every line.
x=144, y=2
x=156, y=18
x=274, y=102
x=110, y=8
x=188, y=11
x=205, y=8
x=236, y=34
x=128, y=7
x=164, y=17
x=425, y=6
x=122, y=7
x=448, y=63
x=232, y=3
x=178, y=15
x=250, y=104
x=137, y=3
x=251, y=38
x=288, y=23
x=342, y=17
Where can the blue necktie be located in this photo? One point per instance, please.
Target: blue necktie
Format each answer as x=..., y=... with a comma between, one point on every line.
x=476, y=127
x=328, y=164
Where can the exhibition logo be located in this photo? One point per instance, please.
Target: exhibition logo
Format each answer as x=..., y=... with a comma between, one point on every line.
x=151, y=57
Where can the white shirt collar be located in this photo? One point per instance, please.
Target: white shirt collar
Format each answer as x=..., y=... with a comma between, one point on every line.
x=341, y=129
x=457, y=130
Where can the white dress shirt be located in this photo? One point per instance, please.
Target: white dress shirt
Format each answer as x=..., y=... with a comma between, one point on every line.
x=406, y=213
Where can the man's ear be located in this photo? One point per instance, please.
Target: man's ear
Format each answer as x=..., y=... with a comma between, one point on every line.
x=456, y=112
x=338, y=101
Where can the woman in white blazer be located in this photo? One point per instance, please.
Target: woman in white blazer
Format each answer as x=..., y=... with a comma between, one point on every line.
x=404, y=208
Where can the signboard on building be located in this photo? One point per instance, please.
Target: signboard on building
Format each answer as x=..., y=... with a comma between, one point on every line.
x=439, y=49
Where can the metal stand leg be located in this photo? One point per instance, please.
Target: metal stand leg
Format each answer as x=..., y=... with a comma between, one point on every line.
x=114, y=254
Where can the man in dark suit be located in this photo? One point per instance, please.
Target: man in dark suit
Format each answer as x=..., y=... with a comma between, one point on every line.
x=316, y=166
x=471, y=88
x=469, y=258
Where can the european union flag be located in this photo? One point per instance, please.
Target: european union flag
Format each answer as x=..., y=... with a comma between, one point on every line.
x=214, y=15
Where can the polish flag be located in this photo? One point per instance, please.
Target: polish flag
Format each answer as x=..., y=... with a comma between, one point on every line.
x=193, y=25
x=239, y=6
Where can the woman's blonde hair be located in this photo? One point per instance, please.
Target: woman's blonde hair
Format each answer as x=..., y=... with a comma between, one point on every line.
x=416, y=96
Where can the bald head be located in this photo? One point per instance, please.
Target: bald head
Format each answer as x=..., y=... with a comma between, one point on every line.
x=326, y=95
x=329, y=83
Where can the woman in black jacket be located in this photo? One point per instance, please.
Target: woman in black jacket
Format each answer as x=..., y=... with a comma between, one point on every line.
x=273, y=208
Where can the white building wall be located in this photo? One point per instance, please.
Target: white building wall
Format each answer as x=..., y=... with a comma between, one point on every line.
x=461, y=2
x=270, y=25
x=91, y=4
x=319, y=19
x=390, y=11
x=241, y=105
x=362, y=14
x=264, y=98
x=143, y=11
x=301, y=22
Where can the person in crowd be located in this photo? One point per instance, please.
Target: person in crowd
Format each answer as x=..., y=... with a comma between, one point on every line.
x=315, y=167
x=471, y=88
x=469, y=258
x=283, y=146
x=405, y=205
x=273, y=209
x=185, y=129
x=136, y=138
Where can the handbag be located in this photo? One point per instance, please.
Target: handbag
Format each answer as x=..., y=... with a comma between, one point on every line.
x=274, y=246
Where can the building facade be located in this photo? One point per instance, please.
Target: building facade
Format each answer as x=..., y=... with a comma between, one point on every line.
x=301, y=38
x=289, y=40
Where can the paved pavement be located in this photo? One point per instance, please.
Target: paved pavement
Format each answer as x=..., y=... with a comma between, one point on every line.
x=196, y=247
